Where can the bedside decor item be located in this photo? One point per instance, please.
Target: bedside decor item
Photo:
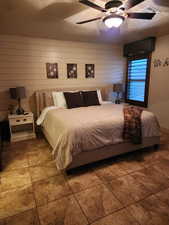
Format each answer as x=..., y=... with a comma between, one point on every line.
x=71, y=70
x=90, y=70
x=52, y=70
x=118, y=88
x=18, y=93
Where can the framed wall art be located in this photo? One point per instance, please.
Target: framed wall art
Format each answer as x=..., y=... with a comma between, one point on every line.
x=71, y=71
x=89, y=70
x=160, y=62
x=52, y=70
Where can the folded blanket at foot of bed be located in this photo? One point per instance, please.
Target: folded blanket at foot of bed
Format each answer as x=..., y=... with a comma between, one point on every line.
x=132, y=124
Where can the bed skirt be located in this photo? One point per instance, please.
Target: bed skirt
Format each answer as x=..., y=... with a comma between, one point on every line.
x=110, y=151
x=105, y=152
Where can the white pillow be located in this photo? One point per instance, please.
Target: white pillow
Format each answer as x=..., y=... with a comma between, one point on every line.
x=99, y=95
x=59, y=99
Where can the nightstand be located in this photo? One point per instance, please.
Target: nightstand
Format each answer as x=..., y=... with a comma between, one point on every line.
x=21, y=127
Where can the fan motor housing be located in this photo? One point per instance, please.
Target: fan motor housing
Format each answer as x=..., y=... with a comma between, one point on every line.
x=113, y=4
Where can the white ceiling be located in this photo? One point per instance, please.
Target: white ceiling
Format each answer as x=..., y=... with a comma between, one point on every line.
x=57, y=19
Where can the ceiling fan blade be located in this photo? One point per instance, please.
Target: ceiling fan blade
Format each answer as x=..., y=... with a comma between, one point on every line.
x=131, y=3
x=91, y=4
x=144, y=16
x=87, y=21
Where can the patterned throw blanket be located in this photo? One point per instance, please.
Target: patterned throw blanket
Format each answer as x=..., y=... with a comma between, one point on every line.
x=132, y=124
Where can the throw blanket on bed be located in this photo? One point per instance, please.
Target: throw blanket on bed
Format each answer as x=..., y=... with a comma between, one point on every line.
x=132, y=124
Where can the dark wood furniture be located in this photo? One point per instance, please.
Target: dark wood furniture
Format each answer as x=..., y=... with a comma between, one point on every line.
x=4, y=136
x=1, y=146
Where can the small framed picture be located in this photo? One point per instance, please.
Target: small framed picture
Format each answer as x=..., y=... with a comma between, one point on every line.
x=71, y=71
x=52, y=70
x=90, y=70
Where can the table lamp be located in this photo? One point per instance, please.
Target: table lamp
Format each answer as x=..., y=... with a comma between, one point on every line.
x=18, y=93
x=118, y=88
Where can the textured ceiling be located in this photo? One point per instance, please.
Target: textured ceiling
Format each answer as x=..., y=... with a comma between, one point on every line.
x=57, y=19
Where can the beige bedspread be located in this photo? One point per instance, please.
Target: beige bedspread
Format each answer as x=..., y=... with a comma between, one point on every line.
x=72, y=131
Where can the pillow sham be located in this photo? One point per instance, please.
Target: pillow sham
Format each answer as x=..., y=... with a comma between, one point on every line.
x=74, y=99
x=99, y=95
x=90, y=98
x=59, y=99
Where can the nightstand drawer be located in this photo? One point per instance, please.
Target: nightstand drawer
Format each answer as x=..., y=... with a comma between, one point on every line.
x=19, y=121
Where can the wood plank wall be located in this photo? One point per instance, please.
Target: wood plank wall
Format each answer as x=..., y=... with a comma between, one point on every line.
x=159, y=82
x=22, y=63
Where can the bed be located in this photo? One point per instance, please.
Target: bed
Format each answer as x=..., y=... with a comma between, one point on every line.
x=83, y=135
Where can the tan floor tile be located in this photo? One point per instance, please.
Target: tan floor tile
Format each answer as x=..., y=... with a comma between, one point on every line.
x=130, y=163
x=13, y=160
x=79, y=182
x=163, y=151
x=38, y=146
x=2, y=222
x=95, y=199
x=150, y=211
x=97, y=202
x=65, y=211
x=16, y=201
x=39, y=156
x=151, y=156
x=43, y=171
x=128, y=190
x=15, y=146
x=121, y=217
x=163, y=196
x=26, y=218
x=163, y=167
x=50, y=189
x=14, y=179
x=149, y=177
x=109, y=172
x=38, y=143
x=164, y=139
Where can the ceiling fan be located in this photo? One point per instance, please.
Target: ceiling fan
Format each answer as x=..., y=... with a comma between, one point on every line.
x=115, y=12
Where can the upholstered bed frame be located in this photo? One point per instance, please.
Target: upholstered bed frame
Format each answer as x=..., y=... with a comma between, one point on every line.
x=44, y=99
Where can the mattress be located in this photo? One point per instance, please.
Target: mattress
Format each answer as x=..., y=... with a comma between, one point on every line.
x=76, y=130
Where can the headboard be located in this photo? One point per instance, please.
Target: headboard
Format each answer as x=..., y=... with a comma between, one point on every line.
x=44, y=97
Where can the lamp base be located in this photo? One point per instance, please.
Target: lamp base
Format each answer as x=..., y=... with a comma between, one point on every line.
x=20, y=111
x=117, y=101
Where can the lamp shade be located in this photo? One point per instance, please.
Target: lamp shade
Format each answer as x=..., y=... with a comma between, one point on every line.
x=17, y=93
x=117, y=88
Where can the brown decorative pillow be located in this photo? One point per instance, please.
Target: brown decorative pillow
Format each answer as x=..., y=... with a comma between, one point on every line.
x=74, y=99
x=90, y=98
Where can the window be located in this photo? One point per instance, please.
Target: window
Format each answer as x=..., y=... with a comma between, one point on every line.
x=137, y=80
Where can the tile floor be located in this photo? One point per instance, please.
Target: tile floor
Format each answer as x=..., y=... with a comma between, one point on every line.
x=131, y=189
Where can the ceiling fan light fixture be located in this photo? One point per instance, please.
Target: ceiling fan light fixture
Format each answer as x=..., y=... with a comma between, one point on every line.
x=113, y=21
